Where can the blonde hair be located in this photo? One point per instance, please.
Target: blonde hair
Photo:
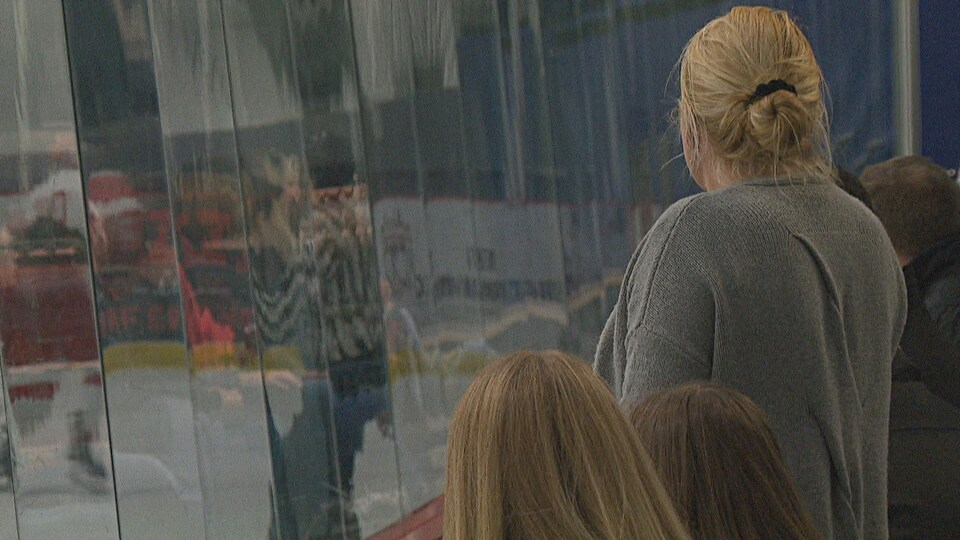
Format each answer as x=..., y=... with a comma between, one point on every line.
x=778, y=134
x=720, y=462
x=538, y=448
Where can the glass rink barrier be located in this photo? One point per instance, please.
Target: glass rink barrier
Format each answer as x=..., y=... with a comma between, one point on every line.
x=253, y=251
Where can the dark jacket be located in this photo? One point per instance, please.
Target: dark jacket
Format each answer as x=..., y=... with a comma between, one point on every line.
x=924, y=471
x=923, y=485
x=937, y=274
x=929, y=354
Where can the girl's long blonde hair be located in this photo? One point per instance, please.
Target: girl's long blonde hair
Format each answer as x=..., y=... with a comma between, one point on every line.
x=538, y=448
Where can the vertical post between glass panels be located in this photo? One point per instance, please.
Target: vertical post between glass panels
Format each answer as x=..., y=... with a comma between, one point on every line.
x=906, y=37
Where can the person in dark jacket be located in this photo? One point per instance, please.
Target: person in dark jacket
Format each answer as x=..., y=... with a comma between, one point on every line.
x=919, y=205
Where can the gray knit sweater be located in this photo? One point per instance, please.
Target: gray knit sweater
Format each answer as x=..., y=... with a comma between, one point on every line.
x=790, y=292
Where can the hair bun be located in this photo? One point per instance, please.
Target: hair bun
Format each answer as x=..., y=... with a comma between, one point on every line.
x=778, y=121
x=751, y=89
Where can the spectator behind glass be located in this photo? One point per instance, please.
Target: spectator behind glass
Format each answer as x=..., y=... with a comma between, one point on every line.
x=721, y=464
x=774, y=281
x=538, y=448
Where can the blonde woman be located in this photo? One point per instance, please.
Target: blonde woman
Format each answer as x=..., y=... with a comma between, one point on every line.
x=538, y=448
x=774, y=281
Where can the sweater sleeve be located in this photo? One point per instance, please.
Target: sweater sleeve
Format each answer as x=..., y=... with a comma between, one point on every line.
x=610, y=359
x=656, y=362
x=671, y=311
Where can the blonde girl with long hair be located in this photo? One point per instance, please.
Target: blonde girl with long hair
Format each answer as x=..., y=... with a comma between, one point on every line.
x=538, y=448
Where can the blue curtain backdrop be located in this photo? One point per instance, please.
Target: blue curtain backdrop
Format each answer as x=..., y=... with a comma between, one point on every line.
x=940, y=81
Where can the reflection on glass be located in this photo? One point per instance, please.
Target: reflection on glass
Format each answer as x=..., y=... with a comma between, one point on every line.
x=346, y=269
x=313, y=270
x=208, y=220
x=468, y=277
x=57, y=438
x=308, y=502
x=135, y=271
x=8, y=509
x=298, y=386
x=338, y=236
x=588, y=133
x=310, y=224
x=424, y=235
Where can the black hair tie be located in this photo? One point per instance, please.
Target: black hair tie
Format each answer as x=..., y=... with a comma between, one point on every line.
x=764, y=90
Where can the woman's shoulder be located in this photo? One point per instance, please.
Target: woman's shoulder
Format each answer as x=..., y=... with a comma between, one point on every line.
x=676, y=218
x=686, y=237
x=715, y=226
x=709, y=216
x=769, y=205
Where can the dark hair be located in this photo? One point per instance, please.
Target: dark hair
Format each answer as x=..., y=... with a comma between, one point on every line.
x=916, y=200
x=721, y=464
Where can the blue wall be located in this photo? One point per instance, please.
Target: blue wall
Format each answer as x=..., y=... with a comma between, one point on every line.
x=940, y=80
